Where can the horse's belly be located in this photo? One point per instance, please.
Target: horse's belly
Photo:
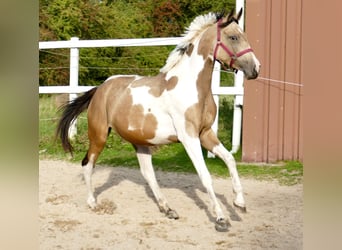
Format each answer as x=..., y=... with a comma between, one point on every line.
x=149, y=128
x=165, y=132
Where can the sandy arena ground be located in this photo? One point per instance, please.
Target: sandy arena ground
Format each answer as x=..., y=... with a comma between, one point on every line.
x=128, y=217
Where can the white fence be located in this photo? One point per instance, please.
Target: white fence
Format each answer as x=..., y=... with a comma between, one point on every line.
x=74, y=44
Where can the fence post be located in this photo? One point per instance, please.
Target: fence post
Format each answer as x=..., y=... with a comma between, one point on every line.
x=237, y=115
x=73, y=81
x=215, y=84
x=238, y=99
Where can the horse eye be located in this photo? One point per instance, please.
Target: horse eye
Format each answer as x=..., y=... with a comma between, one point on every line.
x=233, y=38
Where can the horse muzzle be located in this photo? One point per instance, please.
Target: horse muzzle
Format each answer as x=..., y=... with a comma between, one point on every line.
x=252, y=70
x=252, y=75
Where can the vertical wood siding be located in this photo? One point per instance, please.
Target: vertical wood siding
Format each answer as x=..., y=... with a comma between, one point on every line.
x=272, y=115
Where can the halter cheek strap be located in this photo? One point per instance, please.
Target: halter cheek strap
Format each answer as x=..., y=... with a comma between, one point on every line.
x=233, y=57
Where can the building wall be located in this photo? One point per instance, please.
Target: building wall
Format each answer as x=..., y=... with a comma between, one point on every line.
x=272, y=112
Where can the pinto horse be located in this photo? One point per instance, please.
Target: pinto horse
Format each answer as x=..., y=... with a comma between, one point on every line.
x=174, y=106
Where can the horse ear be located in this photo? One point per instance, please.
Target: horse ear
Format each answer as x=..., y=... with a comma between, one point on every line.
x=239, y=14
x=220, y=14
x=231, y=14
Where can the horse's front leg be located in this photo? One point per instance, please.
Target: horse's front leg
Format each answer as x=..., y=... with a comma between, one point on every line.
x=145, y=161
x=210, y=141
x=193, y=148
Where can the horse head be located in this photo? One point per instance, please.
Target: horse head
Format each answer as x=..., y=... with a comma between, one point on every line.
x=232, y=48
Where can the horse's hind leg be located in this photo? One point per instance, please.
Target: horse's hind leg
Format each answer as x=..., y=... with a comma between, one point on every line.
x=145, y=161
x=97, y=139
x=210, y=141
x=88, y=164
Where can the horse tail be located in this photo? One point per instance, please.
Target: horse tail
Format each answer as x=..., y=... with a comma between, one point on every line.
x=71, y=110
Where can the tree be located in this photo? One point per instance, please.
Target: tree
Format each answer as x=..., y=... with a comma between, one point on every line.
x=167, y=19
x=96, y=19
x=63, y=19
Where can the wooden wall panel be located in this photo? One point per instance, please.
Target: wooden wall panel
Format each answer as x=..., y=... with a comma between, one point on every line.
x=276, y=90
x=292, y=94
x=256, y=91
x=272, y=110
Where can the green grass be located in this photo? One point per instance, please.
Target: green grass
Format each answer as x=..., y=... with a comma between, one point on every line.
x=118, y=152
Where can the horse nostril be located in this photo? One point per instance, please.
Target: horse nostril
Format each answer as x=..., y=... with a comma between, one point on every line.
x=255, y=73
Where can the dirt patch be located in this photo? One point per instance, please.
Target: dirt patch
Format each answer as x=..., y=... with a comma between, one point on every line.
x=105, y=207
x=66, y=225
x=57, y=199
x=128, y=217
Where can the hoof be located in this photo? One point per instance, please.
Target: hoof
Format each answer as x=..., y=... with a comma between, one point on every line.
x=222, y=225
x=92, y=206
x=92, y=203
x=241, y=208
x=172, y=214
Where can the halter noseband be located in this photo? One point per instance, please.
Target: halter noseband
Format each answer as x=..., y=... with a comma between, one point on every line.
x=233, y=57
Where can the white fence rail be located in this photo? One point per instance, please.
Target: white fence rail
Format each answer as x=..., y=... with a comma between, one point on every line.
x=73, y=89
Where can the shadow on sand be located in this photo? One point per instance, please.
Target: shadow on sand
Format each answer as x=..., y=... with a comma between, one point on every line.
x=183, y=182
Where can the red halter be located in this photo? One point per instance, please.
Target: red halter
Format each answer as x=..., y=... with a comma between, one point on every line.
x=233, y=56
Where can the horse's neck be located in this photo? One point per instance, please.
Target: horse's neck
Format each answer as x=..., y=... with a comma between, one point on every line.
x=195, y=70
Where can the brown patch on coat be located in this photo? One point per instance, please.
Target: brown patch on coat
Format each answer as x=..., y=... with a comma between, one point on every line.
x=98, y=117
x=144, y=125
x=193, y=120
x=171, y=83
x=190, y=49
x=201, y=115
x=120, y=82
x=206, y=44
x=209, y=139
x=132, y=124
x=157, y=84
x=173, y=138
x=156, y=89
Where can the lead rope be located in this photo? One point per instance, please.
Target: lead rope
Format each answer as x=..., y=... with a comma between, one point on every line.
x=279, y=81
x=268, y=79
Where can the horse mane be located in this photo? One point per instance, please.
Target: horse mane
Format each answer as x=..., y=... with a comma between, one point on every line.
x=197, y=26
